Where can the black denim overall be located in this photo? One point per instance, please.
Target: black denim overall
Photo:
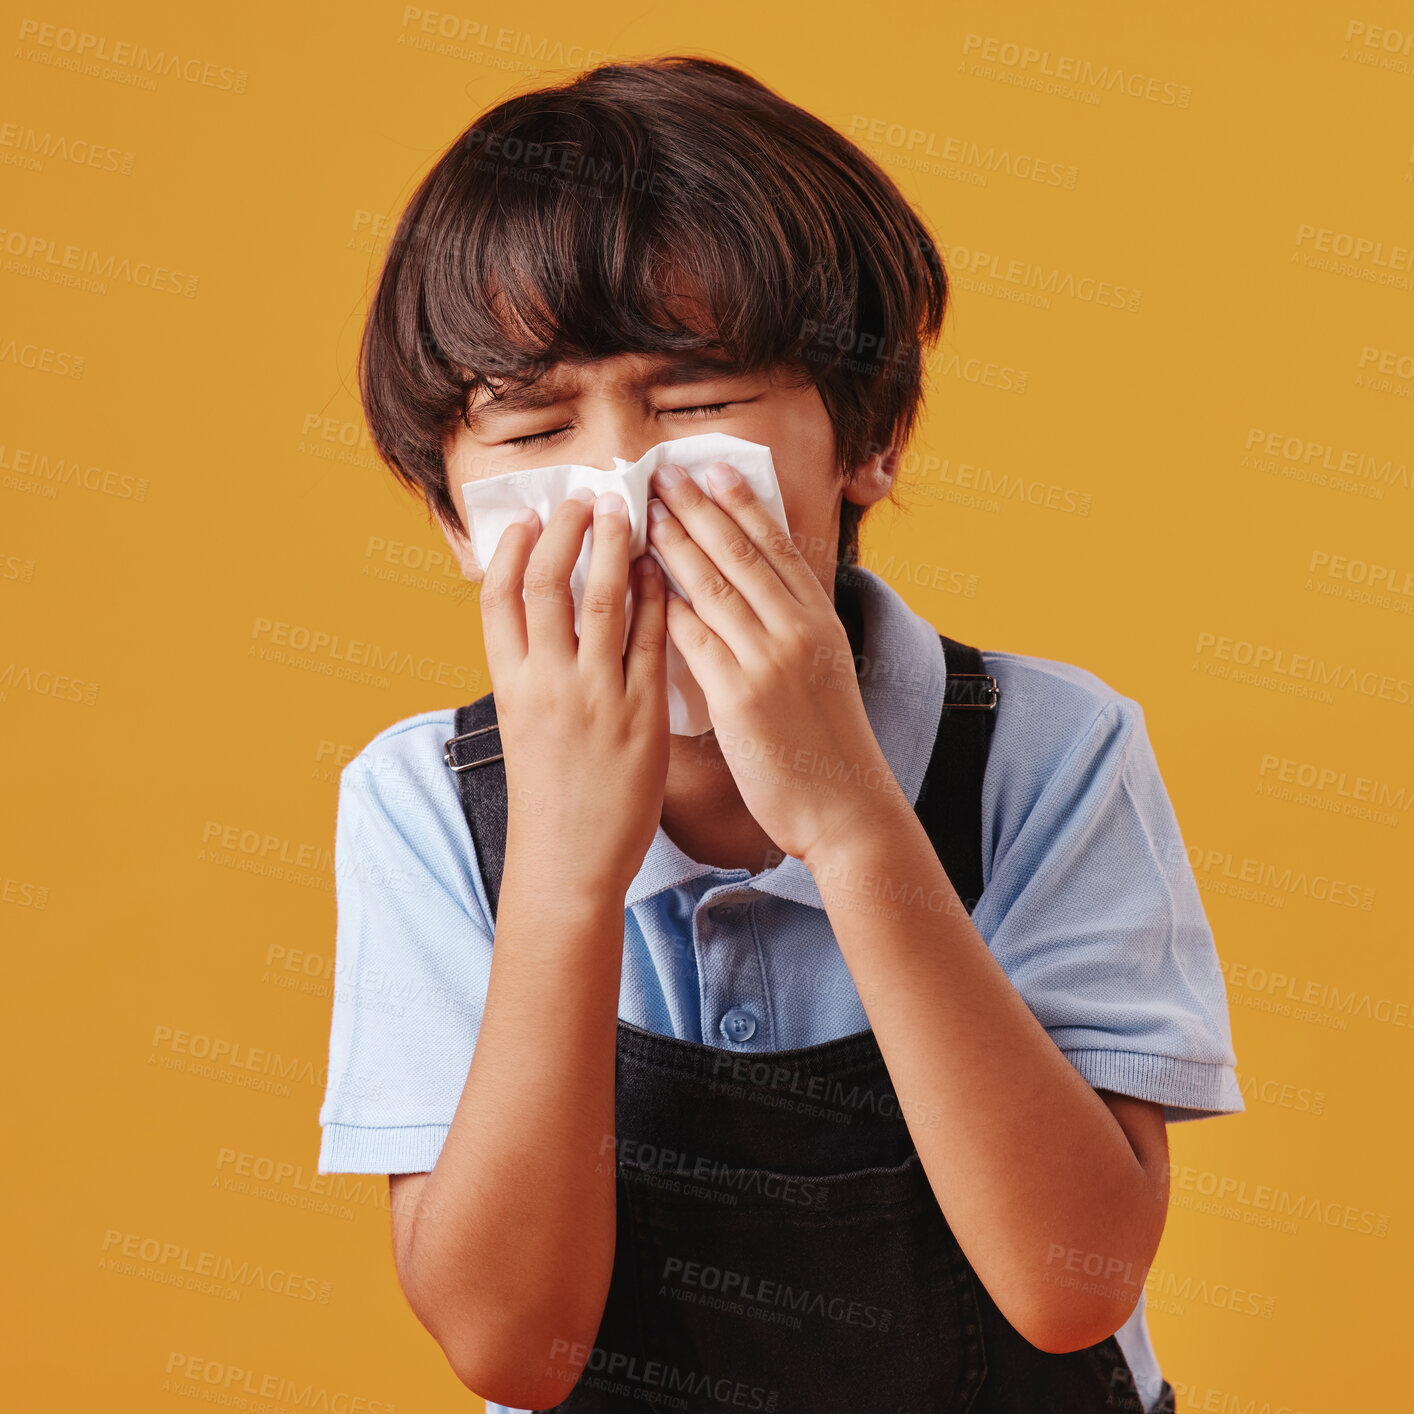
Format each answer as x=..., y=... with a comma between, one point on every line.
x=778, y=1245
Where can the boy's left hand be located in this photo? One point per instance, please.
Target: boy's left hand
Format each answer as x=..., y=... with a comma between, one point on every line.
x=774, y=662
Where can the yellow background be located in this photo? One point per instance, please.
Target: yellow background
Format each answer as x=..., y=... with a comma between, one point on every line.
x=182, y=469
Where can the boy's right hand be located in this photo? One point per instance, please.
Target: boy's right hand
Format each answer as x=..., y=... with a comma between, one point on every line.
x=583, y=724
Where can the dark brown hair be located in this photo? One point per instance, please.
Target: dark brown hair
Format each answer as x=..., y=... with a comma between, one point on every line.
x=572, y=223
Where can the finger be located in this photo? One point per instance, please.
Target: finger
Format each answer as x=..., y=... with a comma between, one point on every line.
x=646, y=661
x=716, y=599
x=602, y=609
x=710, y=660
x=502, y=608
x=549, y=600
x=744, y=540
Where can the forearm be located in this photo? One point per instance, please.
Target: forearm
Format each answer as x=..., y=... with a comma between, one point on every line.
x=514, y=1272
x=1022, y=1154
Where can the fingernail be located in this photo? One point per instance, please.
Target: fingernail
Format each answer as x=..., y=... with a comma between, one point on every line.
x=720, y=475
x=610, y=503
x=668, y=474
x=581, y=493
x=525, y=516
x=656, y=511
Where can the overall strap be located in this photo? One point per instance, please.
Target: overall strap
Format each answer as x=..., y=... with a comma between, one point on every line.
x=482, y=787
x=949, y=800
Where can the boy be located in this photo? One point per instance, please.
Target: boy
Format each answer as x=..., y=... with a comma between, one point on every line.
x=753, y=1103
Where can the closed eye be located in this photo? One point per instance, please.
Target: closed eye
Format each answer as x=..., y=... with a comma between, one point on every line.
x=534, y=439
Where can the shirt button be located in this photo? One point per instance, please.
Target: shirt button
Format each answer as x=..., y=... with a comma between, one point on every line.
x=726, y=912
x=738, y=1024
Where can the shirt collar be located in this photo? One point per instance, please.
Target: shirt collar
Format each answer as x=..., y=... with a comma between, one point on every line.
x=902, y=676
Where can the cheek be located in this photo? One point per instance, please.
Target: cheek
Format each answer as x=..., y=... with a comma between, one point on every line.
x=466, y=557
x=812, y=526
x=460, y=545
x=803, y=448
x=810, y=488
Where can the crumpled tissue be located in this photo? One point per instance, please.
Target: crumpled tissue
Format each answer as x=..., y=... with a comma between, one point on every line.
x=493, y=500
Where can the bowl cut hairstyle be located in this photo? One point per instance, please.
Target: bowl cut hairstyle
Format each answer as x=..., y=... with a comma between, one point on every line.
x=673, y=205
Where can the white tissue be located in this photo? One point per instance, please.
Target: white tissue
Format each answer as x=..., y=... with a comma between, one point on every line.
x=493, y=500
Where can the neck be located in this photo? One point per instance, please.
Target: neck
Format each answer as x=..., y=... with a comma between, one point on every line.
x=703, y=812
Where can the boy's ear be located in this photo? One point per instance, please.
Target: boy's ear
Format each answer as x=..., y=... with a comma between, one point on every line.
x=874, y=476
x=461, y=548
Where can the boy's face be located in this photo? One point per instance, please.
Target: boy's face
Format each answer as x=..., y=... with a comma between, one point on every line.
x=622, y=406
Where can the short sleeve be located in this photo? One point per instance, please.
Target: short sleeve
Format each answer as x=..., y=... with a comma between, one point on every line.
x=1093, y=912
x=412, y=960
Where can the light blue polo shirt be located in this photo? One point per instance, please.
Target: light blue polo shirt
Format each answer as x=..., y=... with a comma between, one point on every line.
x=1089, y=904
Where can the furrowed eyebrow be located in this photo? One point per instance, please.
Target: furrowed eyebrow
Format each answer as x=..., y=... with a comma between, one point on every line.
x=519, y=397
x=691, y=369
x=526, y=397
